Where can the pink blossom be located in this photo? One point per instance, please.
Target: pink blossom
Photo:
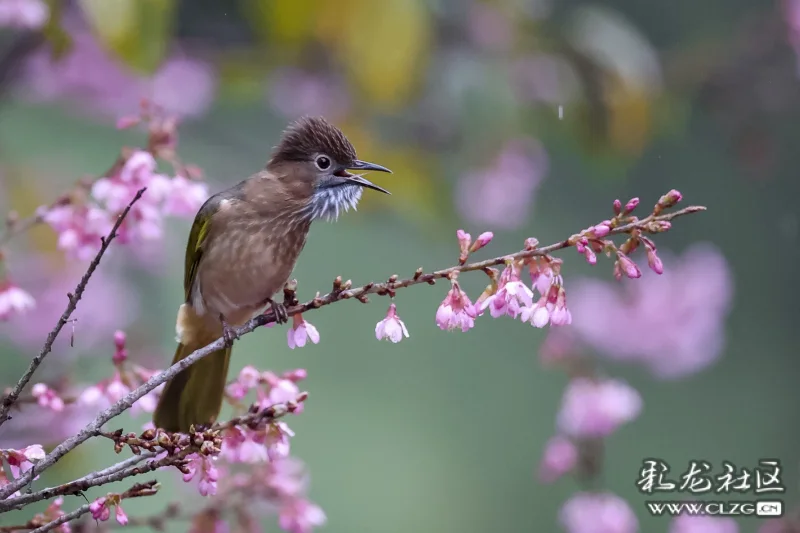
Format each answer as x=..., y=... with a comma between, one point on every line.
x=80, y=228
x=542, y=276
x=23, y=14
x=282, y=391
x=482, y=240
x=14, y=301
x=47, y=397
x=287, y=477
x=94, y=321
x=54, y=512
x=391, y=327
x=669, y=199
x=120, y=353
x=596, y=408
x=120, y=516
x=550, y=308
x=703, y=524
x=243, y=446
x=500, y=195
x=301, y=332
x=110, y=391
x=300, y=516
x=185, y=197
x=456, y=310
x=674, y=323
x=247, y=380
x=256, y=446
x=464, y=242
x=96, y=80
x=99, y=509
x=203, y=465
x=20, y=461
x=632, y=204
x=597, y=513
x=627, y=266
x=560, y=457
x=511, y=297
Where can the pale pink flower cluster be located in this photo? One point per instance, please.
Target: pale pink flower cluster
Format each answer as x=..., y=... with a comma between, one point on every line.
x=101, y=509
x=19, y=462
x=208, y=473
x=47, y=397
x=287, y=481
x=271, y=442
x=14, y=301
x=126, y=377
x=590, y=409
x=595, y=408
x=80, y=227
x=94, y=78
x=603, y=512
x=23, y=14
x=514, y=298
x=672, y=323
x=501, y=194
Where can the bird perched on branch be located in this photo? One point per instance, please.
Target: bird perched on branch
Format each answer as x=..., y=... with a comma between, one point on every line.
x=242, y=247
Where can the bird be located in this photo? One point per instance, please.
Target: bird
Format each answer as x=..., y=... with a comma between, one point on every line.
x=242, y=247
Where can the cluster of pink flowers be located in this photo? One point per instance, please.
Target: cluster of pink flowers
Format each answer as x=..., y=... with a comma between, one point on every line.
x=19, y=462
x=90, y=75
x=271, y=442
x=80, y=226
x=101, y=509
x=126, y=377
x=282, y=485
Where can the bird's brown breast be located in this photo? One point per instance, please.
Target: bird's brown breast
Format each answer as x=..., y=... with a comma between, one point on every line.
x=246, y=259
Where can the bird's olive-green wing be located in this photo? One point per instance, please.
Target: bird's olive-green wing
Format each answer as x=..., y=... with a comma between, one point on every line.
x=197, y=238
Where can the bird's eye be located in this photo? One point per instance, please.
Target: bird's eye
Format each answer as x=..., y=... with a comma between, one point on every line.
x=323, y=162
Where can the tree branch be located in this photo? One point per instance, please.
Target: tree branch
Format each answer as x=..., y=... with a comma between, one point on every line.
x=130, y=467
x=140, y=489
x=268, y=317
x=11, y=397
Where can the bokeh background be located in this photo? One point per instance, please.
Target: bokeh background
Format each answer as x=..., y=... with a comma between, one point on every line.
x=524, y=117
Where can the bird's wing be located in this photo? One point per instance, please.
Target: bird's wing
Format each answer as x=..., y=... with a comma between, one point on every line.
x=197, y=238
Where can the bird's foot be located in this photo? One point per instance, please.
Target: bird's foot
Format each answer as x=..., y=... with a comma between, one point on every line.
x=281, y=315
x=228, y=333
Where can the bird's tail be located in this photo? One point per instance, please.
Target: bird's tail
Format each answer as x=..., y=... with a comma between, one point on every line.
x=195, y=395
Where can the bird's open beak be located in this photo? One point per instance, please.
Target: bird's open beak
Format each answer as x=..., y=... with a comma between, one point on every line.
x=359, y=180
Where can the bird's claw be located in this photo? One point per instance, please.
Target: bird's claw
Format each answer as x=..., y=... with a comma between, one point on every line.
x=281, y=315
x=228, y=333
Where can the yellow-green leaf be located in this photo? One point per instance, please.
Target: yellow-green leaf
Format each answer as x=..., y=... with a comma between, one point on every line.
x=137, y=31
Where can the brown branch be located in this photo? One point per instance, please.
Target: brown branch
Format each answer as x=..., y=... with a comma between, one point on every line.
x=268, y=317
x=178, y=446
x=139, y=490
x=9, y=399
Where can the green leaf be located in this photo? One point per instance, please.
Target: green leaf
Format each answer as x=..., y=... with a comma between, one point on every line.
x=137, y=31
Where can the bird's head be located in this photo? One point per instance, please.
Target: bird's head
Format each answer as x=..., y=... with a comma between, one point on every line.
x=316, y=153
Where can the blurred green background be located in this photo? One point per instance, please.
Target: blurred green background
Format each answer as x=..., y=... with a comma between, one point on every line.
x=442, y=432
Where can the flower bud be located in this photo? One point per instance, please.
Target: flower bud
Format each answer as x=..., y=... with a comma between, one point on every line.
x=482, y=240
x=630, y=206
x=617, y=207
x=627, y=266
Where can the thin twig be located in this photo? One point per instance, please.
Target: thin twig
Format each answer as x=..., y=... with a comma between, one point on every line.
x=140, y=489
x=74, y=298
x=268, y=317
x=130, y=466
